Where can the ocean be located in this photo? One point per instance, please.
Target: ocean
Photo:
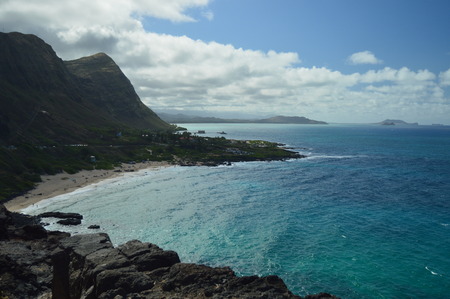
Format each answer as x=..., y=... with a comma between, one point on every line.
x=365, y=215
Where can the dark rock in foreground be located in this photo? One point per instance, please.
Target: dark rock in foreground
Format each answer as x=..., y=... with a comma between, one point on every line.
x=67, y=218
x=26, y=270
x=88, y=266
x=35, y=263
x=61, y=215
x=69, y=221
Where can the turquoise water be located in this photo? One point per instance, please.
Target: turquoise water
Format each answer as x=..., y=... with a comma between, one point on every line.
x=366, y=215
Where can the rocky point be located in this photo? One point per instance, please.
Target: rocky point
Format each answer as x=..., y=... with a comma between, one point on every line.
x=36, y=263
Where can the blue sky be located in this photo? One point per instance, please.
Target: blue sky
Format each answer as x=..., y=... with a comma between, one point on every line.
x=410, y=33
x=332, y=60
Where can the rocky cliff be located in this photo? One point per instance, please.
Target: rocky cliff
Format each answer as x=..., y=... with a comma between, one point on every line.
x=105, y=86
x=35, y=263
x=45, y=100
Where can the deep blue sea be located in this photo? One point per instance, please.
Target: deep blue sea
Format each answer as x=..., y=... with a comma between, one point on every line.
x=366, y=215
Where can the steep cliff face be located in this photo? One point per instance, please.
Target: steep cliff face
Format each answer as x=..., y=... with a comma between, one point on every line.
x=29, y=63
x=33, y=80
x=44, y=100
x=105, y=86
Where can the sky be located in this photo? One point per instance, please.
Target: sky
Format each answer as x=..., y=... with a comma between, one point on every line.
x=345, y=61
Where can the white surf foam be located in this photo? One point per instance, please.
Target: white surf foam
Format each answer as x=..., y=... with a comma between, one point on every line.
x=432, y=272
x=317, y=157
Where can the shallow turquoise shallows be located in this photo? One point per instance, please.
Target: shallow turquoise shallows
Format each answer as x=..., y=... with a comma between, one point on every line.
x=366, y=215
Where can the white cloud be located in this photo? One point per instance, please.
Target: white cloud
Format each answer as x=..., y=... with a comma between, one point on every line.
x=208, y=14
x=444, y=78
x=67, y=14
x=179, y=72
x=401, y=76
x=364, y=57
x=168, y=9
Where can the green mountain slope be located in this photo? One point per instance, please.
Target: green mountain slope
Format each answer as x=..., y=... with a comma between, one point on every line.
x=105, y=86
x=44, y=100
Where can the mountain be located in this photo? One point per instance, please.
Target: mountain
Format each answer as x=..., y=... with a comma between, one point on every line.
x=392, y=122
x=106, y=87
x=182, y=118
x=45, y=100
x=291, y=120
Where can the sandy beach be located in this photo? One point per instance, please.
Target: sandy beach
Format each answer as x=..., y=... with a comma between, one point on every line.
x=54, y=185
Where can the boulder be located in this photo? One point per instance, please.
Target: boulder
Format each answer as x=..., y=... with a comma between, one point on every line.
x=61, y=215
x=148, y=256
x=121, y=281
x=69, y=221
x=84, y=245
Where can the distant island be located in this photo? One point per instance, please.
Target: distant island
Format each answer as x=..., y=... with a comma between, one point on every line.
x=395, y=122
x=183, y=118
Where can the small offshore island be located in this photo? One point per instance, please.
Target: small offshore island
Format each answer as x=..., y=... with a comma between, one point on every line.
x=62, y=117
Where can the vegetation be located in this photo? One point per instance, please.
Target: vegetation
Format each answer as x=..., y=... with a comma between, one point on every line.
x=21, y=165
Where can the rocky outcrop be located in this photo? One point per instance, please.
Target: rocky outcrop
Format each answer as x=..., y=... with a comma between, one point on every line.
x=25, y=256
x=88, y=266
x=36, y=263
x=61, y=215
x=67, y=218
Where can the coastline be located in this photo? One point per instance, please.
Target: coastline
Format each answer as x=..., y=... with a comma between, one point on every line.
x=62, y=183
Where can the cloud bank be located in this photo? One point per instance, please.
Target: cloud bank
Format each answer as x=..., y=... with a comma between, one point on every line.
x=177, y=72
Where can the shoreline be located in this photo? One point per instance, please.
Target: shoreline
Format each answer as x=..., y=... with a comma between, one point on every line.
x=62, y=183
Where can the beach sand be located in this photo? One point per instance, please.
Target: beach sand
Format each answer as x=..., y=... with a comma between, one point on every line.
x=54, y=185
